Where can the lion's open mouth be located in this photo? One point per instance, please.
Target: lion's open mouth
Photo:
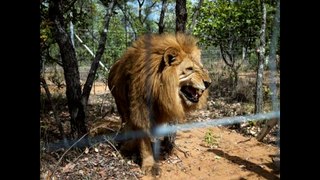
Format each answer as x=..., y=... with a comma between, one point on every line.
x=191, y=93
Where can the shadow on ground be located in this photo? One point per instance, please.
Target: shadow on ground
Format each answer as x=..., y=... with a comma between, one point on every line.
x=248, y=165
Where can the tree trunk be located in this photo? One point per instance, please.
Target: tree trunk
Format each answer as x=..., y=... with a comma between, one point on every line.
x=261, y=59
x=147, y=12
x=181, y=15
x=162, y=13
x=273, y=46
x=195, y=15
x=70, y=67
x=101, y=48
x=140, y=11
x=235, y=78
x=128, y=17
x=229, y=59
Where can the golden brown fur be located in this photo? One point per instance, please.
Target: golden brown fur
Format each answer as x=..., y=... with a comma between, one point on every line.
x=156, y=81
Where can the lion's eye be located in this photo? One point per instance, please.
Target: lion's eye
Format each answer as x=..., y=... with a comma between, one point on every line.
x=190, y=68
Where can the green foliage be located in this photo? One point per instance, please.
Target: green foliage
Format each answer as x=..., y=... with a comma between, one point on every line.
x=223, y=22
x=232, y=25
x=141, y=17
x=46, y=36
x=252, y=123
x=190, y=10
x=116, y=40
x=253, y=61
x=170, y=17
x=210, y=139
x=87, y=18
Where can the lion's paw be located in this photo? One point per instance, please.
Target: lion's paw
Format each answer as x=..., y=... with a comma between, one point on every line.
x=153, y=170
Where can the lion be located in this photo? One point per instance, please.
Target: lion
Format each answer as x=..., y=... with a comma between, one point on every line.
x=158, y=80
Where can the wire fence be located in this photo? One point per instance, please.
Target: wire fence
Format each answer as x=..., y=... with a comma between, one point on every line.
x=160, y=131
x=57, y=70
x=166, y=130
x=209, y=57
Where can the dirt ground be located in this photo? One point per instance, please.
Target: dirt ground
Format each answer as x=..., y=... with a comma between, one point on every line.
x=228, y=154
x=233, y=157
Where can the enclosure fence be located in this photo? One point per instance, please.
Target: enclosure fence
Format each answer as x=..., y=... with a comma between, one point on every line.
x=160, y=131
x=172, y=128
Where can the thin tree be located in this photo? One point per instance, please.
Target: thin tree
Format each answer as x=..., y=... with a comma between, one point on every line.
x=272, y=64
x=162, y=14
x=129, y=17
x=147, y=11
x=195, y=15
x=70, y=67
x=55, y=114
x=101, y=48
x=77, y=101
x=181, y=15
x=261, y=60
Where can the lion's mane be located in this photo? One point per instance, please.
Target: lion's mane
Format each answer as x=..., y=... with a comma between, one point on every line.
x=144, y=86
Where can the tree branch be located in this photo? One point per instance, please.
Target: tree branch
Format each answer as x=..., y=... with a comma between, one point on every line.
x=195, y=14
x=70, y=67
x=69, y=6
x=129, y=18
x=101, y=48
x=56, y=117
x=147, y=14
x=224, y=56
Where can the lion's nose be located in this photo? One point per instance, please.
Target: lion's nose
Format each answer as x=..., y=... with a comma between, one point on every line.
x=206, y=84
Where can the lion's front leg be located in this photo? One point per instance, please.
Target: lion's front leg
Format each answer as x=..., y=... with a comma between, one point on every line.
x=149, y=166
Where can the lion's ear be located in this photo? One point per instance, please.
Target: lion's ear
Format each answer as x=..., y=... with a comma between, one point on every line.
x=170, y=55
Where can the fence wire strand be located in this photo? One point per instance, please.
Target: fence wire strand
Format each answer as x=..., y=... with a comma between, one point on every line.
x=161, y=131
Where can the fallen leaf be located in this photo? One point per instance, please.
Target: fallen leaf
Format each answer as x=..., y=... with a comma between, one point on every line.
x=103, y=173
x=81, y=172
x=68, y=168
x=114, y=154
x=86, y=150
